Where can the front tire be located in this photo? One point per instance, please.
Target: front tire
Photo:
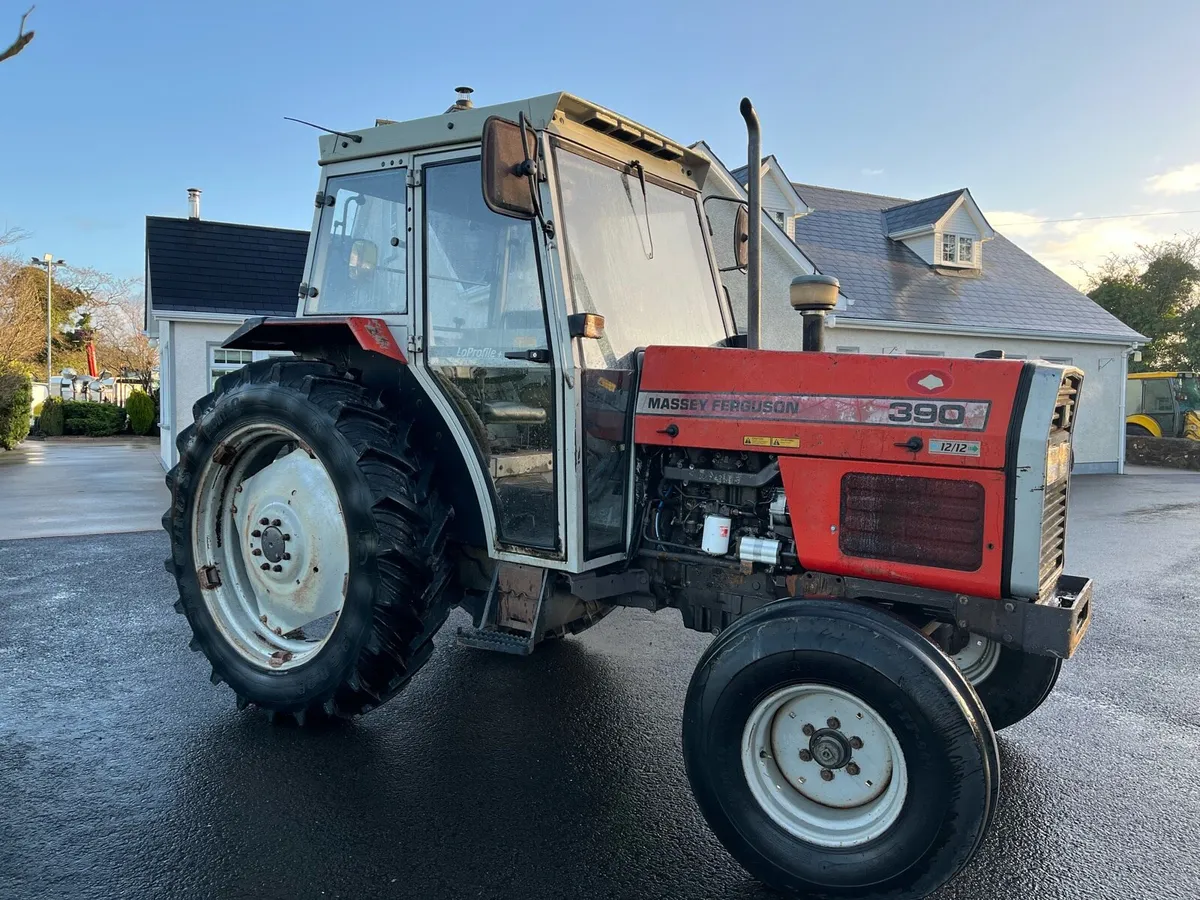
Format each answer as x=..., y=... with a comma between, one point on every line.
x=1010, y=683
x=885, y=793
x=307, y=541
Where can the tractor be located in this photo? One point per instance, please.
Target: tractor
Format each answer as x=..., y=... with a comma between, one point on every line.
x=1163, y=404
x=514, y=385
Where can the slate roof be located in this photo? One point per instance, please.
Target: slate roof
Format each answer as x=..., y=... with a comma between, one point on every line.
x=920, y=212
x=193, y=265
x=846, y=236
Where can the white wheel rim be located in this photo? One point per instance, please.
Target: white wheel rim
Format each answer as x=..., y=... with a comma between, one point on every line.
x=269, y=522
x=978, y=659
x=864, y=792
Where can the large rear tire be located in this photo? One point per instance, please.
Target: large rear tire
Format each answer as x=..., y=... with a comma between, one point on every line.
x=308, y=542
x=1011, y=684
x=836, y=752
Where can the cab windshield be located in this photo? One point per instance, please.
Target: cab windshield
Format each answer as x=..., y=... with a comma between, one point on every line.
x=636, y=255
x=1187, y=391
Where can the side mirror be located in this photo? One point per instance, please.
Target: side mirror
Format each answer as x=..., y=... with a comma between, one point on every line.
x=364, y=256
x=741, y=237
x=506, y=184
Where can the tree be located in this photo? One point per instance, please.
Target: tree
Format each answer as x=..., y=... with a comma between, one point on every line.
x=23, y=39
x=1156, y=291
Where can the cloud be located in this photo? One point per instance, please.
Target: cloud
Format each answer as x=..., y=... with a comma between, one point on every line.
x=871, y=173
x=1184, y=180
x=1071, y=249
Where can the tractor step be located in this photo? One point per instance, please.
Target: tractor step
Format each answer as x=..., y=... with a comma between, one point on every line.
x=499, y=641
x=507, y=583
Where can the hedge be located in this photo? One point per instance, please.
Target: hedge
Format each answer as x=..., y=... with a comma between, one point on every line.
x=140, y=407
x=16, y=397
x=92, y=419
x=50, y=421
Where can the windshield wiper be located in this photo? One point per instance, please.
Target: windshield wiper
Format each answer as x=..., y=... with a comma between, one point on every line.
x=641, y=170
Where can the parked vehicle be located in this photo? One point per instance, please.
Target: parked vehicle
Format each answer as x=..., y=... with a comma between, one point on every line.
x=517, y=387
x=1163, y=404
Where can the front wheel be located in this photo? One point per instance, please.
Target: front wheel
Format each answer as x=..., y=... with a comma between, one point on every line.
x=836, y=752
x=1011, y=683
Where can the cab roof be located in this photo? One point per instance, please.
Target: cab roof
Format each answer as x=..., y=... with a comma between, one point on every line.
x=465, y=126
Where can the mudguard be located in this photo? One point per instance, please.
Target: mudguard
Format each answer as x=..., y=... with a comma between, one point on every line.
x=309, y=333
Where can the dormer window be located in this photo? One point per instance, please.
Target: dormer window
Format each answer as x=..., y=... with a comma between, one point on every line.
x=958, y=250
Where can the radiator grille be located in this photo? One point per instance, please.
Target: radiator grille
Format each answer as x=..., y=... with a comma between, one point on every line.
x=1054, y=535
x=906, y=519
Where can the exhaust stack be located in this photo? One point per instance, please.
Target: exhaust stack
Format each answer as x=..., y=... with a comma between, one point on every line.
x=194, y=203
x=464, y=100
x=754, y=250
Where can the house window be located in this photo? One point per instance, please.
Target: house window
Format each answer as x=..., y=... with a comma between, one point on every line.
x=1060, y=360
x=966, y=249
x=847, y=349
x=780, y=219
x=925, y=352
x=949, y=248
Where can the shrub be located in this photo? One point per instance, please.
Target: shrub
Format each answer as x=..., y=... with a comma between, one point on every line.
x=50, y=421
x=140, y=407
x=16, y=397
x=93, y=419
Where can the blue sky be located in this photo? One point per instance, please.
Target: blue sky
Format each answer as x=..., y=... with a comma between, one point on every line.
x=1051, y=109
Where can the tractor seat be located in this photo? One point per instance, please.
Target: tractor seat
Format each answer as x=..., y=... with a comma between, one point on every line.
x=507, y=412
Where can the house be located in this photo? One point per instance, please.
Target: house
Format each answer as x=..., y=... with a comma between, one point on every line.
x=203, y=279
x=931, y=277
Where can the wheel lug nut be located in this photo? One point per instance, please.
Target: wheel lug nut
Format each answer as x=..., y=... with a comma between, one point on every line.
x=265, y=566
x=852, y=768
x=833, y=722
x=287, y=537
x=287, y=556
x=856, y=743
x=277, y=568
x=264, y=521
x=256, y=533
x=808, y=730
x=256, y=552
x=827, y=775
x=276, y=522
x=805, y=756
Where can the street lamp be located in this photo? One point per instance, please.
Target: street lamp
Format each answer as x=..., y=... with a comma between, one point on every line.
x=48, y=262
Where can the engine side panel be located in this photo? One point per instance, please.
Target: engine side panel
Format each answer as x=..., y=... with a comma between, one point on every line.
x=829, y=405
x=901, y=538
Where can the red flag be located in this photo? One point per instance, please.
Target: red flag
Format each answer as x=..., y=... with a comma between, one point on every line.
x=91, y=358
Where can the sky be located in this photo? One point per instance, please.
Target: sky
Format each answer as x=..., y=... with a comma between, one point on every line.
x=1058, y=109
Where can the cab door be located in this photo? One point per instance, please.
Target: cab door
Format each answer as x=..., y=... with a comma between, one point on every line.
x=487, y=348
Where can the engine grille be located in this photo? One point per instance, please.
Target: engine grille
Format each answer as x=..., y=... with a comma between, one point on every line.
x=1054, y=535
x=1054, y=505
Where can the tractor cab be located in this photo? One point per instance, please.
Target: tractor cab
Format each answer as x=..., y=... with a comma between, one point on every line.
x=521, y=254
x=1163, y=404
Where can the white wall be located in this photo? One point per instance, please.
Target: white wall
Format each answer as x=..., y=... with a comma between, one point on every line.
x=961, y=222
x=923, y=247
x=1099, y=426
x=188, y=371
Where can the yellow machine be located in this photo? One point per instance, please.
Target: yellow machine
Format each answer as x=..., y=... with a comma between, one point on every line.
x=1163, y=404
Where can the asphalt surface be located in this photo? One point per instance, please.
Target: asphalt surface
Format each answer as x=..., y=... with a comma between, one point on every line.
x=124, y=773
x=81, y=486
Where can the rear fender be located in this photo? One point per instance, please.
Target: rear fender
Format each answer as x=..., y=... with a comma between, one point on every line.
x=1146, y=422
x=312, y=333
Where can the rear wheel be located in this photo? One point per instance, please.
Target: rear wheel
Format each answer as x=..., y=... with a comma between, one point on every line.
x=1132, y=429
x=1011, y=684
x=306, y=541
x=837, y=753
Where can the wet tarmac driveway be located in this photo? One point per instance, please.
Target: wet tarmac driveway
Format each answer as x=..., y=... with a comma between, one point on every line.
x=124, y=773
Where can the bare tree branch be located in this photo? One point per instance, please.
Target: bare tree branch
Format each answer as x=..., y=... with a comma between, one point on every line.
x=23, y=38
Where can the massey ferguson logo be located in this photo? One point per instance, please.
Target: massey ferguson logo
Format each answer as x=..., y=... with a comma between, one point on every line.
x=927, y=382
